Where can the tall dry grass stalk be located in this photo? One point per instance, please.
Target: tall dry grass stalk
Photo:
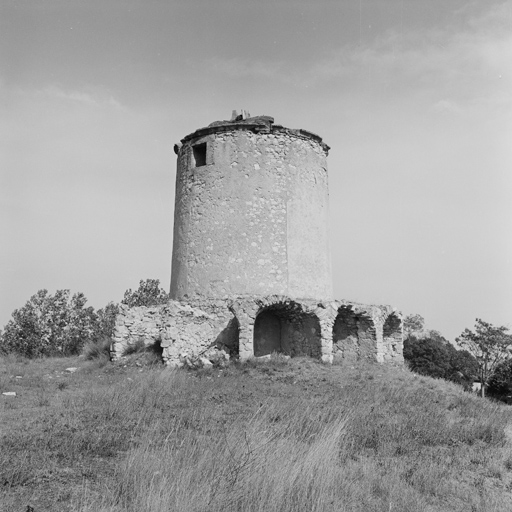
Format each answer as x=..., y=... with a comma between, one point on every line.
x=273, y=436
x=373, y=449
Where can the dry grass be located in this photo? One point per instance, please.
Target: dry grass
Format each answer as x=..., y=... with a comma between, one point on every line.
x=275, y=436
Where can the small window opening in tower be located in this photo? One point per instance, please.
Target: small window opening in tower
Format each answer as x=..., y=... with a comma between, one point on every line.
x=199, y=154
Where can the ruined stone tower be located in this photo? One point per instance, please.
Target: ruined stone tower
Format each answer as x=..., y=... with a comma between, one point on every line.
x=251, y=214
x=251, y=270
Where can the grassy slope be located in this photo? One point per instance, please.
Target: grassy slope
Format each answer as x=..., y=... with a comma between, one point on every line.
x=275, y=436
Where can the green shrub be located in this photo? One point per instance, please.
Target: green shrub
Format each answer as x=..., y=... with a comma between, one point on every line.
x=441, y=360
x=50, y=325
x=97, y=349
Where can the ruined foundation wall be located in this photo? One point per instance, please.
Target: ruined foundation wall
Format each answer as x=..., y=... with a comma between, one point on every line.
x=253, y=219
x=181, y=330
x=393, y=339
x=254, y=326
x=251, y=267
x=134, y=324
x=302, y=337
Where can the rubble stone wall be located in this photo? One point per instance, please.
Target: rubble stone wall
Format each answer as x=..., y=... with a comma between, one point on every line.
x=134, y=324
x=251, y=239
x=182, y=331
x=209, y=329
x=252, y=219
x=392, y=334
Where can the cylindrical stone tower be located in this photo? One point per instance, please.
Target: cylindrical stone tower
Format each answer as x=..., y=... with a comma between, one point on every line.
x=251, y=212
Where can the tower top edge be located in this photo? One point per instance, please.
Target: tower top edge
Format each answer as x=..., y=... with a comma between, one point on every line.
x=257, y=124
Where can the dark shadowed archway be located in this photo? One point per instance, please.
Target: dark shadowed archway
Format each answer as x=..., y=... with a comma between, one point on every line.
x=285, y=328
x=353, y=336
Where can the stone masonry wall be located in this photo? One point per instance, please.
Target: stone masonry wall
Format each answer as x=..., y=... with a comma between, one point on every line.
x=251, y=248
x=392, y=336
x=254, y=219
x=137, y=323
x=209, y=329
x=182, y=331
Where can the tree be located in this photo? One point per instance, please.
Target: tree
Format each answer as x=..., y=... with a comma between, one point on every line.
x=500, y=383
x=412, y=324
x=463, y=366
x=489, y=345
x=426, y=356
x=106, y=320
x=435, y=357
x=50, y=325
x=149, y=293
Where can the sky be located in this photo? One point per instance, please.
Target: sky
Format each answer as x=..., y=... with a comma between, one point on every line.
x=414, y=98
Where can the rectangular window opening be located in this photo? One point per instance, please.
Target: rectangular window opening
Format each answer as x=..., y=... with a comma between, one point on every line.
x=199, y=154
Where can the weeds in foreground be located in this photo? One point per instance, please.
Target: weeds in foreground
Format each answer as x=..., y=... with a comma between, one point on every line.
x=144, y=354
x=276, y=436
x=97, y=349
x=135, y=348
x=300, y=456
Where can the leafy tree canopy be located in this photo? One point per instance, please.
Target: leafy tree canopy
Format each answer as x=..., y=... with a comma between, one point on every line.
x=413, y=324
x=106, y=318
x=435, y=357
x=149, y=293
x=500, y=383
x=48, y=324
x=489, y=345
x=61, y=324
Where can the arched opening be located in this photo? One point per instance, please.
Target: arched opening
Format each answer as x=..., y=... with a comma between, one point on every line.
x=287, y=329
x=393, y=337
x=353, y=336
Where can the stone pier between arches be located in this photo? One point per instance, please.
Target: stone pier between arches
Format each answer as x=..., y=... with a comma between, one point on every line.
x=213, y=328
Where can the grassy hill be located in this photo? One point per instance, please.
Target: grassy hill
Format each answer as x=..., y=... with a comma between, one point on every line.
x=263, y=436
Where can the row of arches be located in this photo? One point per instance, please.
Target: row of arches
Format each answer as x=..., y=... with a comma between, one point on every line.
x=289, y=328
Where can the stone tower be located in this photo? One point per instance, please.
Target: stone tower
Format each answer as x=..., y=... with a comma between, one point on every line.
x=251, y=212
x=251, y=270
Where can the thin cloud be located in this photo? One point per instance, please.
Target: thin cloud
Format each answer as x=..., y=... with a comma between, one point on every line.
x=90, y=97
x=467, y=62
x=241, y=68
x=447, y=106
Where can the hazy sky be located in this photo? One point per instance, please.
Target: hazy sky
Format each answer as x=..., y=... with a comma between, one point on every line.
x=413, y=96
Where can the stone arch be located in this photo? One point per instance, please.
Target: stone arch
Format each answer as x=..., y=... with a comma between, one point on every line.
x=392, y=333
x=354, y=335
x=288, y=328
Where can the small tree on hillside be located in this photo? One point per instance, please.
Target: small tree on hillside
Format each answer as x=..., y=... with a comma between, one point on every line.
x=107, y=320
x=463, y=366
x=435, y=357
x=500, y=383
x=413, y=324
x=489, y=345
x=50, y=325
x=149, y=293
x=426, y=356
